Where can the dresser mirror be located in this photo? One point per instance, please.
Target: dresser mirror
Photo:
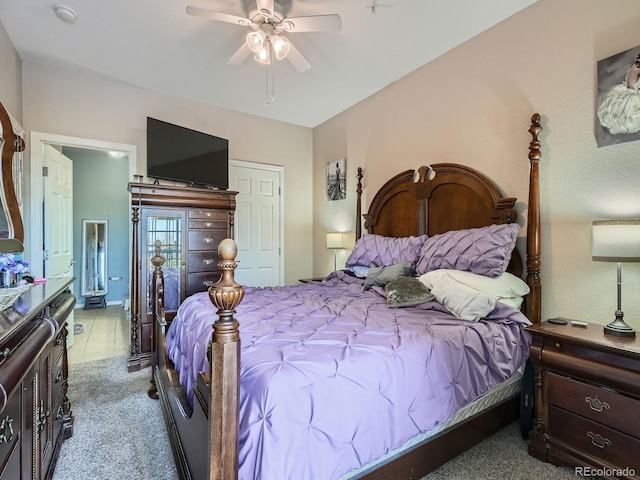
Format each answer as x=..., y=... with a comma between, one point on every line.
x=94, y=258
x=11, y=148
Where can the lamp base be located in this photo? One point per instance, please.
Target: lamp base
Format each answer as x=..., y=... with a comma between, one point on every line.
x=619, y=327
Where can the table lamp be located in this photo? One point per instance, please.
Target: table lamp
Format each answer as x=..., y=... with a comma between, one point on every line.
x=335, y=241
x=617, y=241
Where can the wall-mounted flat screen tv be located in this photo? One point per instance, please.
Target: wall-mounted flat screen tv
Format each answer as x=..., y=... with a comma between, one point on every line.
x=184, y=155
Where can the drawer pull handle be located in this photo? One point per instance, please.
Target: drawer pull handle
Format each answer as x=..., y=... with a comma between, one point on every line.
x=596, y=405
x=208, y=239
x=208, y=224
x=207, y=214
x=207, y=283
x=207, y=261
x=598, y=440
x=5, y=352
x=59, y=377
x=6, y=430
x=60, y=412
x=43, y=415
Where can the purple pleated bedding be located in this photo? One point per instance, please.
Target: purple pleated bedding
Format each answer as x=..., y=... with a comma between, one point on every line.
x=332, y=379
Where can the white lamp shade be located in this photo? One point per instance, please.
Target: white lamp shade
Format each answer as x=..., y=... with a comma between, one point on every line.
x=335, y=240
x=616, y=241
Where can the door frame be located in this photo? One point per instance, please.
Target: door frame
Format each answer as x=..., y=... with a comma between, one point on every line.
x=33, y=248
x=279, y=169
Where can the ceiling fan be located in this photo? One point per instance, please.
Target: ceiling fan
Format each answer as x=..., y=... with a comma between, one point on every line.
x=267, y=21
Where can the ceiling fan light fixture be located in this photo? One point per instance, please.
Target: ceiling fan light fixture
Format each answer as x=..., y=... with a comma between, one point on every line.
x=255, y=41
x=263, y=57
x=281, y=47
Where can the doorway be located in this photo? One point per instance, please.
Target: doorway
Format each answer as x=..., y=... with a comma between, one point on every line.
x=85, y=154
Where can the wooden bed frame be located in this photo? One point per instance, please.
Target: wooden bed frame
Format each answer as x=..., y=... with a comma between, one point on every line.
x=205, y=445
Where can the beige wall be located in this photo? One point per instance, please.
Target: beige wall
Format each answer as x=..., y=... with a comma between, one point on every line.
x=10, y=76
x=95, y=107
x=474, y=104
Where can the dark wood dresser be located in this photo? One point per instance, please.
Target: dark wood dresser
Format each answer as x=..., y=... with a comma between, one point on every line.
x=35, y=414
x=587, y=400
x=189, y=222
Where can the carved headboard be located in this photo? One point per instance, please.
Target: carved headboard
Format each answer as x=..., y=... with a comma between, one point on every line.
x=437, y=199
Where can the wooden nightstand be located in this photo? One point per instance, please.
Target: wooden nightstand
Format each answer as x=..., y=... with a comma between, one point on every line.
x=314, y=279
x=587, y=399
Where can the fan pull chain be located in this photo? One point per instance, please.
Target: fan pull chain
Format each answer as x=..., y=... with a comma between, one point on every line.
x=270, y=78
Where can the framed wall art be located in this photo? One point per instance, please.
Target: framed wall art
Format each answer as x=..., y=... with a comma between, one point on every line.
x=336, y=180
x=618, y=102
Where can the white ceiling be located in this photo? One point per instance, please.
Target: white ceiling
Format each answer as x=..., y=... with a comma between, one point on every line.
x=155, y=45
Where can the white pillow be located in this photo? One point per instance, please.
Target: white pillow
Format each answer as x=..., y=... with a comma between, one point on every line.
x=506, y=288
x=463, y=301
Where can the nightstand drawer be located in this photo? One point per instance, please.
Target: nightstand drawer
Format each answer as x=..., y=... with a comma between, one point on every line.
x=603, y=406
x=606, y=444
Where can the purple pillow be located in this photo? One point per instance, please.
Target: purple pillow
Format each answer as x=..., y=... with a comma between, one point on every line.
x=483, y=251
x=378, y=250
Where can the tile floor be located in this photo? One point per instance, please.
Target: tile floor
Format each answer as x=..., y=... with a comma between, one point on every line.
x=106, y=334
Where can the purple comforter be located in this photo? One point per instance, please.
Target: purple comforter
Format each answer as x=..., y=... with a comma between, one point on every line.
x=331, y=378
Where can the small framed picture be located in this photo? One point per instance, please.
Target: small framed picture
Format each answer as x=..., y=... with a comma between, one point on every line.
x=336, y=180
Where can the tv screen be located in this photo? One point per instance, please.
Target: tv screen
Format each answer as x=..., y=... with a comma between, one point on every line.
x=184, y=155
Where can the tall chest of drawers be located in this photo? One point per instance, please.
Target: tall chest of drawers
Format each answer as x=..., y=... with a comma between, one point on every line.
x=586, y=400
x=188, y=223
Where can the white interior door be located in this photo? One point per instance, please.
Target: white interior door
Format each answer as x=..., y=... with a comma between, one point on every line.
x=58, y=217
x=257, y=223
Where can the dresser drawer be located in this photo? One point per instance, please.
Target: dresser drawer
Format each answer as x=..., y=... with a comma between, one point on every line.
x=608, y=445
x=211, y=215
x=206, y=239
x=203, y=261
x=200, y=282
x=603, y=406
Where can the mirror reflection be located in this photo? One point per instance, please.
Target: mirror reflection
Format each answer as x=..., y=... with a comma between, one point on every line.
x=94, y=262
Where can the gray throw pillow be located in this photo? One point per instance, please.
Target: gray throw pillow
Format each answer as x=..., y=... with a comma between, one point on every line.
x=380, y=276
x=406, y=292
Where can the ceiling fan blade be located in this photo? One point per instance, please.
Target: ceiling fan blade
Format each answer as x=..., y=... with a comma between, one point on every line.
x=240, y=56
x=297, y=60
x=266, y=7
x=313, y=23
x=220, y=16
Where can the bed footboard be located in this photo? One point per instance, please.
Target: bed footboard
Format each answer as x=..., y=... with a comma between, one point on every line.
x=207, y=437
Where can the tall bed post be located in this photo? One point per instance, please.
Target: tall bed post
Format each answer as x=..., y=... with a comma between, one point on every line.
x=359, y=205
x=533, y=302
x=224, y=358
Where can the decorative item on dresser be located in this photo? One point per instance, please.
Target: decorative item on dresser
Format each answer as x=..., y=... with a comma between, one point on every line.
x=587, y=399
x=35, y=413
x=291, y=376
x=190, y=222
